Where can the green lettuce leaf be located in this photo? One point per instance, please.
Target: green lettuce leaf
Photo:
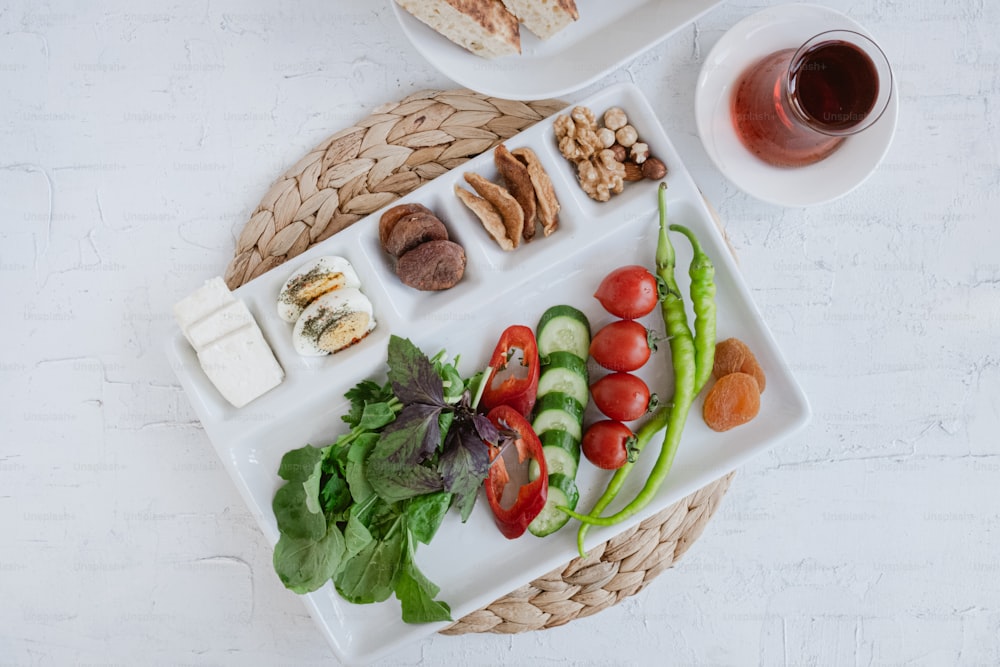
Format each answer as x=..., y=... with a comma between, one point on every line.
x=370, y=576
x=295, y=519
x=415, y=593
x=304, y=565
x=425, y=513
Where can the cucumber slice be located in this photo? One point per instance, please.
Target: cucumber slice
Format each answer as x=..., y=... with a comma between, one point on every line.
x=557, y=400
x=551, y=519
x=567, y=485
x=561, y=439
x=567, y=360
x=557, y=461
x=564, y=381
x=563, y=328
x=558, y=420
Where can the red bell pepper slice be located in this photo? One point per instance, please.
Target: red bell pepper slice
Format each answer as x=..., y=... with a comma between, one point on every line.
x=518, y=389
x=514, y=520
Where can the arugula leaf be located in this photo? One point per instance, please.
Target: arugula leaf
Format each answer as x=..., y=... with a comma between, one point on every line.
x=299, y=464
x=464, y=465
x=415, y=593
x=356, y=535
x=394, y=481
x=412, y=437
x=295, y=519
x=304, y=565
x=335, y=496
x=370, y=576
x=412, y=375
x=425, y=513
x=354, y=470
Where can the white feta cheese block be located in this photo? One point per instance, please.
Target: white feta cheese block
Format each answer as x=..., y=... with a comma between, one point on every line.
x=219, y=323
x=336, y=320
x=241, y=365
x=312, y=280
x=205, y=300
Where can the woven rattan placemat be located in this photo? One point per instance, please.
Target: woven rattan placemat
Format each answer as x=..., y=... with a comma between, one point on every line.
x=359, y=170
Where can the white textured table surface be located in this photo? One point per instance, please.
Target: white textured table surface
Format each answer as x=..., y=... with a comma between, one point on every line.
x=136, y=139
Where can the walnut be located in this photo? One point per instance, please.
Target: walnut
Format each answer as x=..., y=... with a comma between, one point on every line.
x=576, y=134
x=626, y=135
x=615, y=119
x=639, y=152
x=601, y=176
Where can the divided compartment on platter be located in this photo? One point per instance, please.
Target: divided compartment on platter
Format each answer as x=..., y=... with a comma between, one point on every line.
x=643, y=119
x=412, y=304
x=264, y=292
x=263, y=409
x=542, y=251
x=312, y=380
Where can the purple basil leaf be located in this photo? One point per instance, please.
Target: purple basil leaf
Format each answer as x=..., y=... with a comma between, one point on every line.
x=412, y=375
x=412, y=436
x=485, y=428
x=464, y=465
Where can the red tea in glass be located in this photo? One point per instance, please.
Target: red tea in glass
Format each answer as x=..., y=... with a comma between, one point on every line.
x=794, y=107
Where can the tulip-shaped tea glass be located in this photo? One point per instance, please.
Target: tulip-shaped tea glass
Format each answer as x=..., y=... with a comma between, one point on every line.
x=795, y=107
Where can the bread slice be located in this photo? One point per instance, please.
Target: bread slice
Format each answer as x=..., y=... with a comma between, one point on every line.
x=484, y=27
x=543, y=17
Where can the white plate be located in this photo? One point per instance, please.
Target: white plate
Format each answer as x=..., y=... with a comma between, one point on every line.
x=473, y=563
x=752, y=38
x=606, y=35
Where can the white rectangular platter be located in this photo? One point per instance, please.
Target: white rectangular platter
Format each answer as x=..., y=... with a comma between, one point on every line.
x=607, y=35
x=472, y=563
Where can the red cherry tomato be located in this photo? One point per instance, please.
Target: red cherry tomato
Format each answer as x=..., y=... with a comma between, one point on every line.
x=628, y=292
x=606, y=444
x=621, y=396
x=623, y=345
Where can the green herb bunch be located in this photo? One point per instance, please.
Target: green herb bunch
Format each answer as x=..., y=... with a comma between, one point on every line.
x=354, y=511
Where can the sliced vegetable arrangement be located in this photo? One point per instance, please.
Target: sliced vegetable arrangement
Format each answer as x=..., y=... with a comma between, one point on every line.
x=513, y=427
x=692, y=360
x=563, y=344
x=425, y=441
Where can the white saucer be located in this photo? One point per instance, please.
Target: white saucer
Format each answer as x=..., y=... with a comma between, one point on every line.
x=752, y=38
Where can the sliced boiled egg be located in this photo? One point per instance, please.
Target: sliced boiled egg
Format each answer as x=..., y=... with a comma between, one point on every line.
x=312, y=280
x=333, y=321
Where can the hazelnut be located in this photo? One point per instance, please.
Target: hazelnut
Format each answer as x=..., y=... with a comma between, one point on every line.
x=606, y=137
x=626, y=135
x=615, y=119
x=621, y=153
x=633, y=172
x=639, y=152
x=653, y=168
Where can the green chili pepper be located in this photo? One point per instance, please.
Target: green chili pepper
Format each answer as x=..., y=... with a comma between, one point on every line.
x=653, y=425
x=702, y=274
x=682, y=349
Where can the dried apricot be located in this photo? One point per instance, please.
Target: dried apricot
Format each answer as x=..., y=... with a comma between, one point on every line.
x=733, y=400
x=729, y=356
x=733, y=356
